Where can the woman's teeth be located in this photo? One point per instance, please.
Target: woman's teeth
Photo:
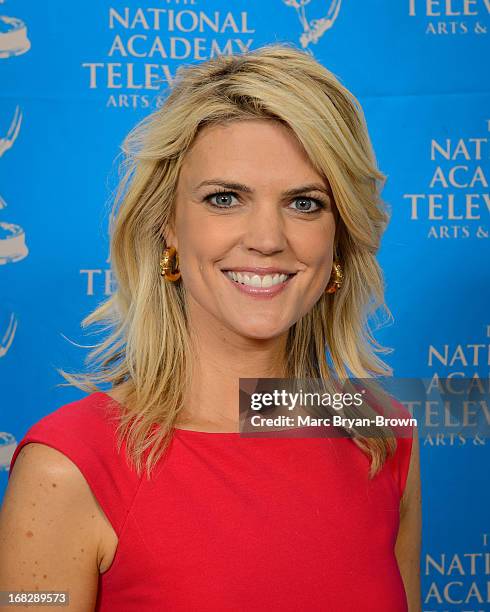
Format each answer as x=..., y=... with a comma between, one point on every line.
x=254, y=280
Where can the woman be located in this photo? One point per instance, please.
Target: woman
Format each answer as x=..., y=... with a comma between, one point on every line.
x=243, y=243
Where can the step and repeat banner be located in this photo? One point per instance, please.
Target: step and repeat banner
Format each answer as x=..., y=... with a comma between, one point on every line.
x=76, y=77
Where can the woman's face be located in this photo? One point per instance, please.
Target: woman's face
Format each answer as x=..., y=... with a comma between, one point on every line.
x=274, y=217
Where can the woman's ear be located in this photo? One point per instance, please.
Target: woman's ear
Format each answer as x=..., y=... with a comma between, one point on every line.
x=169, y=236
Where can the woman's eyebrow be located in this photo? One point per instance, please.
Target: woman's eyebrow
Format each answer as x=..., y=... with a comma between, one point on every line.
x=246, y=189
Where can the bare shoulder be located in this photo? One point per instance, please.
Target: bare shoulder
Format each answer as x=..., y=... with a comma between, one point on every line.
x=53, y=534
x=409, y=541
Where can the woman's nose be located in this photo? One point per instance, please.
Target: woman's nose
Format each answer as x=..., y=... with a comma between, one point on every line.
x=264, y=229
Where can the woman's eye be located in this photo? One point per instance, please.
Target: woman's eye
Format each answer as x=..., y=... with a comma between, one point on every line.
x=308, y=204
x=223, y=199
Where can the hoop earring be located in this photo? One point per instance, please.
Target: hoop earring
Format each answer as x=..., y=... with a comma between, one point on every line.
x=169, y=268
x=336, y=278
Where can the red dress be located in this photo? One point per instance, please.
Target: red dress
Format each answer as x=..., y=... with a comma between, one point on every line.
x=235, y=524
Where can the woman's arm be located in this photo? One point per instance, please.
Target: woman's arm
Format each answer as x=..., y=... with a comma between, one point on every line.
x=409, y=541
x=50, y=529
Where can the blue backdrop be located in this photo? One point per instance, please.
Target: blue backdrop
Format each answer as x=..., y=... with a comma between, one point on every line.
x=74, y=78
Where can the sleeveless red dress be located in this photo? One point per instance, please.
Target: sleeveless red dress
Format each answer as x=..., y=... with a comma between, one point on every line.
x=235, y=524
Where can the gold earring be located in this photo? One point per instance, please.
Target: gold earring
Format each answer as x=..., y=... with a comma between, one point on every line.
x=168, y=270
x=336, y=278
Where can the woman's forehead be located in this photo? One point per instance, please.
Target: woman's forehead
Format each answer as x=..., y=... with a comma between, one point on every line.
x=248, y=152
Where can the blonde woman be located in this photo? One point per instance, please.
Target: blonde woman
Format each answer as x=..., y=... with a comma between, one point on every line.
x=243, y=242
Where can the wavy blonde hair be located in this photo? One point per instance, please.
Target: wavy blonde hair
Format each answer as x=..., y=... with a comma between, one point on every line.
x=146, y=354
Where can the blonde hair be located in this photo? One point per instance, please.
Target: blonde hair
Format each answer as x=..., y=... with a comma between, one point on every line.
x=146, y=354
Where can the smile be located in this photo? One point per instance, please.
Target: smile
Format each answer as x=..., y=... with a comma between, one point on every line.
x=254, y=280
x=258, y=286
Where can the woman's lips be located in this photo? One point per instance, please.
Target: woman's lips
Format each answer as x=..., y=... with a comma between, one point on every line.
x=259, y=292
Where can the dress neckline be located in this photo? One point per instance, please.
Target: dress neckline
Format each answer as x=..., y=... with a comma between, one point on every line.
x=224, y=434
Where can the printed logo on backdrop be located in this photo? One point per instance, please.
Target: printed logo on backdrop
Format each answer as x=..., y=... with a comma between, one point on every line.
x=7, y=331
x=8, y=445
x=451, y=17
x=13, y=246
x=14, y=41
x=143, y=48
x=12, y=237
x=455, y=203
x=458, y=361
x=98, y=282
x=314, y=29
x=458, y=579
x=13, y=36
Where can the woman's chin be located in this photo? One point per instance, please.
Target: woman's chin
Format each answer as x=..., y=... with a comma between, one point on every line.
x=260, y=330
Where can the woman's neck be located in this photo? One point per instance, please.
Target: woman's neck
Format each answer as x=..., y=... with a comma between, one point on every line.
x=219, y=361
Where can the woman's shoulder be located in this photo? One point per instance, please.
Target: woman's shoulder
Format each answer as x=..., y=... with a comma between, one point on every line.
x=84, y=432
x=93, y=414
x=85, y=427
